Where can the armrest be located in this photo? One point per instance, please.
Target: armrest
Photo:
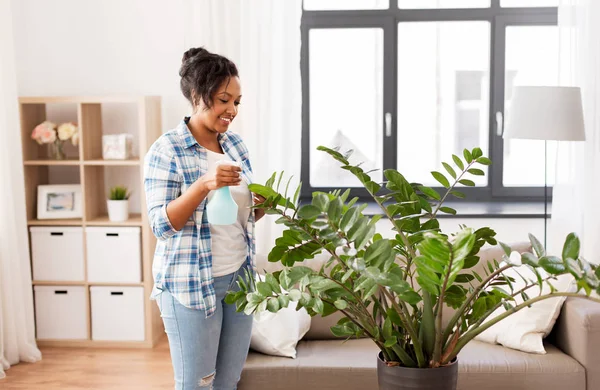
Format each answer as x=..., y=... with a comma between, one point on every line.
x=578, y=335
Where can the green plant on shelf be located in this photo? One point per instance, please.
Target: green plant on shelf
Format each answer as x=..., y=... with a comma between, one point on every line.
x=118, y=193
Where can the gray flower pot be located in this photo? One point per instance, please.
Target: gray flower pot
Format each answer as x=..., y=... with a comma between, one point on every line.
x=402, y=378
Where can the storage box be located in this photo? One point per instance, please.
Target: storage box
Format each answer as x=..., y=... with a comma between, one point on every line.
x=113, y=254
x=61, y=312
x=117, y=313
x=57, y=253
x=117, y=146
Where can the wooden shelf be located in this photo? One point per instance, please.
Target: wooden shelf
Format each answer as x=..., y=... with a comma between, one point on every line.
x=140, y=284
x=139, y=116
x=69, y=161
x=58, y=283
x=134, y=220
x=55, y=222
x=132, y=162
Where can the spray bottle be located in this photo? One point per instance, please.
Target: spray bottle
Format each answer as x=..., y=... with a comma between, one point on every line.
x=222, y=209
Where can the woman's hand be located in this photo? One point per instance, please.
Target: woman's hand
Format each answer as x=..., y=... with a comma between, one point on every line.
x=258, y=213
x=225, y=175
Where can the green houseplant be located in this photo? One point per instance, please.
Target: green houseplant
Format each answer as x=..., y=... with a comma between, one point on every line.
x=393, y=290
x=118, y=204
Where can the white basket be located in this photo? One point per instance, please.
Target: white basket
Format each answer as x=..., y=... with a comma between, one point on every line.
x=113, y=254
x=57, y=253
x=60, y=313
x=117, y=313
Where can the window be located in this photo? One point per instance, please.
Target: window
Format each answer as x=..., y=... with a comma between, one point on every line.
x=407, y=83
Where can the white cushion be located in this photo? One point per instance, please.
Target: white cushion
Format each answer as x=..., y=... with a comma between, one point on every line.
x=278, y=333
x=526, y=329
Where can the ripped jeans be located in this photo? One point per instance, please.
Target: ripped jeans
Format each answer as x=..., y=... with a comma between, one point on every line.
x=207, y=353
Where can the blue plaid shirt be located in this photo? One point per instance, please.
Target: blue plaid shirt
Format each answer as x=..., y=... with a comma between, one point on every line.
x=182, y=260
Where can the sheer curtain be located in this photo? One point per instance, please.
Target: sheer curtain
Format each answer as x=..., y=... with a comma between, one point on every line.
x=263, y=38
x=574, y=205
x=17, y=339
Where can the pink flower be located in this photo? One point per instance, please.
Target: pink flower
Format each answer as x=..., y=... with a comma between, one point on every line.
x=44, y=133
x=48, y=136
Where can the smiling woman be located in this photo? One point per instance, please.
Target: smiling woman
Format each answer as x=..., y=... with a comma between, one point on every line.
x=197, y=262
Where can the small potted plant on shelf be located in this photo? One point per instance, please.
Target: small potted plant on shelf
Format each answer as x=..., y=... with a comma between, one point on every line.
x=55, y=137
x=118, y=204
x=394, y=290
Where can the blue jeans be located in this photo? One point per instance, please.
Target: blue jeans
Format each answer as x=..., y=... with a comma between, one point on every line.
x=207, y=353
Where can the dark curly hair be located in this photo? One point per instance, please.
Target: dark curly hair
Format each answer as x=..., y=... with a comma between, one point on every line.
x=202, y=72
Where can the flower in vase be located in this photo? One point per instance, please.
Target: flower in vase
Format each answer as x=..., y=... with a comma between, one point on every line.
x=44, y=133
x=75, y=139
x=67, y=131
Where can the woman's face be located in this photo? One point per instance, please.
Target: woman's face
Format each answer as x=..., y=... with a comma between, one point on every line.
x=225, y=106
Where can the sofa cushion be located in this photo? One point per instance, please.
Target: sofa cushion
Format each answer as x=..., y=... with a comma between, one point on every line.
x=351, y=365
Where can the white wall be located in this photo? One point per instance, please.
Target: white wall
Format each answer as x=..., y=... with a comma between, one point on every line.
x=108, y=47
x=85, y=47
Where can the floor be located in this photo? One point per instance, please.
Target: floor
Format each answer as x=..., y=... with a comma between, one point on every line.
x=94, y=369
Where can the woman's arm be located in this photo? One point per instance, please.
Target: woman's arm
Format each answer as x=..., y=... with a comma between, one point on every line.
x=258, y=213
x=179, y=210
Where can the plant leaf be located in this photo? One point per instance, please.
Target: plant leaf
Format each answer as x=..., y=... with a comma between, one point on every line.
x=448, y=210
x=449, y=170
x=441, y=179
x=309, y=211
x=430, y=192
x=476, y=172
x=458, y=162
x=571, y=247
x=468, y=156
x=537, y=246
x=484, y=161
x=552, y=264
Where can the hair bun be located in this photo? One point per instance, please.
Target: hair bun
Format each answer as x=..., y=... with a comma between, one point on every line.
x=194, y=52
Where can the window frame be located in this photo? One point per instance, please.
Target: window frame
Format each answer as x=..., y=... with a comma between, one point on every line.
x=388, y=19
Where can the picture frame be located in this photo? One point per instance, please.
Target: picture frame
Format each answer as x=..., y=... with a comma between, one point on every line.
x=59, y=201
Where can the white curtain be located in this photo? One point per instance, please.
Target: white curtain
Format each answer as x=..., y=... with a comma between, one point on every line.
x=17, y=340
x=263, y=38
x=574, y=206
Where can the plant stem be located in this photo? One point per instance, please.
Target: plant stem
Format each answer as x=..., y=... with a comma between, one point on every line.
x=437, y=208
x=357, y=298
x=497, y=306
x=437, y=350
x=409, y=328
x=467, y=337
x=470, y=298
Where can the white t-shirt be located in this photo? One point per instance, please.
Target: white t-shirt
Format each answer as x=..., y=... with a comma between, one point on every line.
x=229, y=246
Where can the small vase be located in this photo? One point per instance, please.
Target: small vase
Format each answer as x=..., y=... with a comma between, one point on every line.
x=56, y=151
x=118, y=210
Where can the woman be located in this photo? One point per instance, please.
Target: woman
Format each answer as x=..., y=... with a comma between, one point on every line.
x=196, y=263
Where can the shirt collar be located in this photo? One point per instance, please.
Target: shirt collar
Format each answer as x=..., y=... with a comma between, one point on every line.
x=189, y=140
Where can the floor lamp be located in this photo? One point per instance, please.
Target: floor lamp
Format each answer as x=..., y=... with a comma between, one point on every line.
x=549, y=114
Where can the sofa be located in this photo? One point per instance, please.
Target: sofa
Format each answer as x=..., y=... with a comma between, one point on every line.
x=324, y=362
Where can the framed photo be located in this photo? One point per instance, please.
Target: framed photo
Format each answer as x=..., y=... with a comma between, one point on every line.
x=61, y=201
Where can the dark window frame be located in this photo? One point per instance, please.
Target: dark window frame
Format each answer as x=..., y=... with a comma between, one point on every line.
x=387, y=19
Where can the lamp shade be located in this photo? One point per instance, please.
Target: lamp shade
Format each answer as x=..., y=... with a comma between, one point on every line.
x=546, y=113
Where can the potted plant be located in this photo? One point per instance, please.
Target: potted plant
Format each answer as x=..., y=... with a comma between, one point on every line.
x=393, y=290
x=118, y=204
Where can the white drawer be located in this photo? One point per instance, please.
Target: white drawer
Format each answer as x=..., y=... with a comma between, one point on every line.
x=57, y=253
x=117, y=313
x=113, y=254
x=60, y=312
